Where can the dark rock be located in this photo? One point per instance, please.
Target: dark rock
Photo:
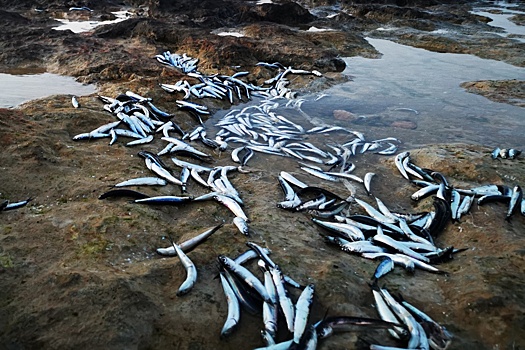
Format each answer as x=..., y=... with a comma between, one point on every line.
x=289, y=13
x=122, y=29
x=11, y=18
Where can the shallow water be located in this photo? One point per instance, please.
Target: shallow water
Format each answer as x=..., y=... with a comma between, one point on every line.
x=501, y=20
x=84, y=26
x=18, y=88
x=410, y=84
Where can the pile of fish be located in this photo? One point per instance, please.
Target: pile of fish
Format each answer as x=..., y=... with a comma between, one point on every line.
x=219, y=186
x=183, y=62
x=435, y=183
x=270, y=297
x=397, y=239
x=137, y=118
x=260, y=128
x=216, y=86
x=505, y=153
x=221, y=86
x=421, y=331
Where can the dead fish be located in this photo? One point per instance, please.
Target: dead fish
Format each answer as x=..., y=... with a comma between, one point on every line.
x=189, y=244
x=241, y=225
x=123, y=193
x=74, y=102
x=515, y=201
x=191, y=271
x=142, y=181
x=367, y=182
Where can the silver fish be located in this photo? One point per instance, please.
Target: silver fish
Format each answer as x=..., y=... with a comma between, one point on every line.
x=302, y=309
x=374, y=213
x=232, y=205
x=387, y=315
x=515, y=201
x=352, y=232
x=399, y=163
x=74, y=102
x=368, y=181
x=424, y=192
x=189, y=244
x=234, y=310
x=241, y=225
x=291, y=179
x=284, y=301
x=191, y=271
x=319, y=174
x=142, y=141
x=246, y=276
x=381, y=238
x=142, y=181
x=386, y=266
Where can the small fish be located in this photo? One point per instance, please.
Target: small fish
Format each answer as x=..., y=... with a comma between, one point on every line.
x=387, y=315
x=424, y=192
x=292, y=180
x=384, y=239
x=141, y=141
x=319, y=174
x=241, y=225
x=367, y=182
x=232, y=205
x=163, y=200
x=347, y=231
x=284, y=300
x=191, y=271
x=246, y=276
x=74, y=102
x=515, y=201
x=234, y=310
x=11, y=206
x=374, y=213
x=495, y=153
x=302, y=309
x=514, y=153
x=399, y=163
x=142, y=181
x=384, y=267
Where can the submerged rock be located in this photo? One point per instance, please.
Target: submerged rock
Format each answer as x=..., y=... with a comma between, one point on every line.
x=507, y=91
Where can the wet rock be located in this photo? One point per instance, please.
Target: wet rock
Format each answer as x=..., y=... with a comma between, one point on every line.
x=518, y=19
x=289, y=13
x=506, y=91
x=119, y=30
x=404, y=124
x=10, y=18
x=340, y=114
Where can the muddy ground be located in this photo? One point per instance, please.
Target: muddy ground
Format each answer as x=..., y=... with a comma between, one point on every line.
x=79, y=272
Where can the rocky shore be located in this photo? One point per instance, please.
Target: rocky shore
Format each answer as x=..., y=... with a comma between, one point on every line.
x=78, y=272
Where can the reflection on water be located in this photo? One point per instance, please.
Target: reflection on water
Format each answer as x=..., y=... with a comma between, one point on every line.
x=501, y=20
x=84, y=26
x=407, y=80
x=15, y=89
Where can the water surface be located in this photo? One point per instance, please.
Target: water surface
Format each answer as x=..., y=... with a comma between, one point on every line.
x=19, y=88
x=84, y=26
x=411, y=84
